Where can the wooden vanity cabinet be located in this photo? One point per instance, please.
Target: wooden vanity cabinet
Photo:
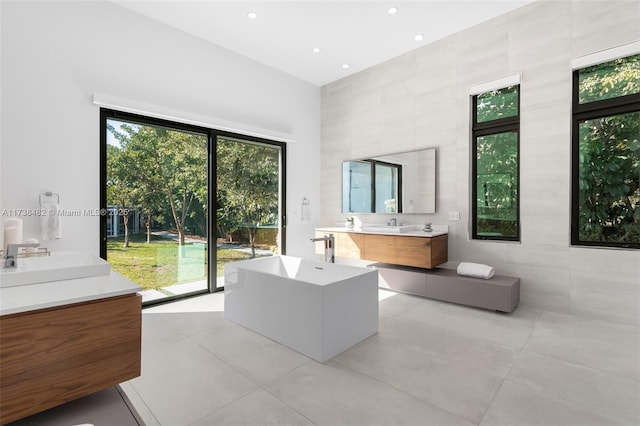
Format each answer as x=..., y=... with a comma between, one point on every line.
x=380, y=248
x=420, y=252
x=52, y=356
x=350, y=245
x=436, y=251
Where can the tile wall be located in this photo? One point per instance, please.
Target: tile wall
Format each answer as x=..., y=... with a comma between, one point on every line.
x=421, y=99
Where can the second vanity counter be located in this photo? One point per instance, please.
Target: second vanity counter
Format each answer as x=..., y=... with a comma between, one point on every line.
x=414, y=248
x=64, y=339
x=31, y=297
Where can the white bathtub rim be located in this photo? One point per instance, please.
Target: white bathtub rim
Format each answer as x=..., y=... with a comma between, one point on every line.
x=323, y=273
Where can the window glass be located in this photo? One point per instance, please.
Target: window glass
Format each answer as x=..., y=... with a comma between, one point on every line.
x=497, y=185
x=609, y=172
x=497, y=104
x=609, y=80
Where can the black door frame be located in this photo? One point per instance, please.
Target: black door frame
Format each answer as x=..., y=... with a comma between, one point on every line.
x=212, y=136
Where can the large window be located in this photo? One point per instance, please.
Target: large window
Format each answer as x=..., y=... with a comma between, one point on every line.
x=495, y=165
x=164, y=183
x=605, y=206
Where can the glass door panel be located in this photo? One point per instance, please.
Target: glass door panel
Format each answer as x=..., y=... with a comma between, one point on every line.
x=157, y=207
x=250, y=188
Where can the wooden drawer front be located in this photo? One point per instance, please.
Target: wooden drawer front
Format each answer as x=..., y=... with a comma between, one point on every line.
x=380, y=248
x=439, y=250
x=56, y=355
x=413, y=251
x=350, y=245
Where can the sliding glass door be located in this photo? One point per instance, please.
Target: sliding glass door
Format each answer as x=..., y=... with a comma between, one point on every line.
x=157, y=184
x=156, y=190
x=249, y=198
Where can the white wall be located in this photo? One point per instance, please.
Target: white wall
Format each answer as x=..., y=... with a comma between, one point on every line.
x=421, y=99
x=56, y=54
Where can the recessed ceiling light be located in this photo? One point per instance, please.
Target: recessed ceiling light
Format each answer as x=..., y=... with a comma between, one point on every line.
x=418, y=37
x=252, y=15
x=345, y=66
x=316, y=50
x=392, y=10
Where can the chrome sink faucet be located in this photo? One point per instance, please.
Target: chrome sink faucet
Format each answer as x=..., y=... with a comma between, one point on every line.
x=329, y=244
x=393, y=221
x=11, y=257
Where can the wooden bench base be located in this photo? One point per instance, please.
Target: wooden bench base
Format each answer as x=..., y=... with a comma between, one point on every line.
x=499, y=293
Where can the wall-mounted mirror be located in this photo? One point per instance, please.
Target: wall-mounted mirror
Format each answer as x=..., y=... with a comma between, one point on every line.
x=395, y=183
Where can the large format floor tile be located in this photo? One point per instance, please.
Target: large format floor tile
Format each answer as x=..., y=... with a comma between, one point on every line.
x=331, y=394
x=466, y=392
x=257, y=408
x=391, y=303
x=183, y=382
x=508, y=329
x=463, y=350
x=519, y=405
x=614, y=348
x=258, y=358
x=612, y=395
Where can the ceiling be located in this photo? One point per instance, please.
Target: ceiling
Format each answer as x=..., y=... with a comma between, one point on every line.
x=284, y=33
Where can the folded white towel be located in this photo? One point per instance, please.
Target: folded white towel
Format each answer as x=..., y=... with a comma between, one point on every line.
x=476, y=270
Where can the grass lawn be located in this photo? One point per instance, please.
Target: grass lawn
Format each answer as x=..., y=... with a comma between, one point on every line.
x=157, y=265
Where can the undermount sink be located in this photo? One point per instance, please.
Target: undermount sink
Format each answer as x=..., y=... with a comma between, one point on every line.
x=398, y=229
x=64, y=265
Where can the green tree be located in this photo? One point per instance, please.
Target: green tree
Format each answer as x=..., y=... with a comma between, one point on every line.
x=248, y=183
x=120, y=184
x=168, y=171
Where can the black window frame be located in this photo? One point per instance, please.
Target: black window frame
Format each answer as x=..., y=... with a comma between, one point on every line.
x=580, y=113
x=212, y=137
x=487, y=128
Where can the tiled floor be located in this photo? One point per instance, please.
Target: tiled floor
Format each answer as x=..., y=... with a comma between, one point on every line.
x=431, y=363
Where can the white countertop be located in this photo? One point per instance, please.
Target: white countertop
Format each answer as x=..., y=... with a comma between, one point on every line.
x=437, y=231
x=30, y=297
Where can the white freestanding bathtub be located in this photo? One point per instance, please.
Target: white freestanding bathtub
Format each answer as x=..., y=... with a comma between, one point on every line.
x=317, y=309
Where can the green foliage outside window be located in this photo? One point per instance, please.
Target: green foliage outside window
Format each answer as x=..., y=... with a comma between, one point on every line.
x=608, y=80
x=497, y=184
x=497, y=104
x=162, y=172
x=609, y=156
x=495, y=128
x=248, y=182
